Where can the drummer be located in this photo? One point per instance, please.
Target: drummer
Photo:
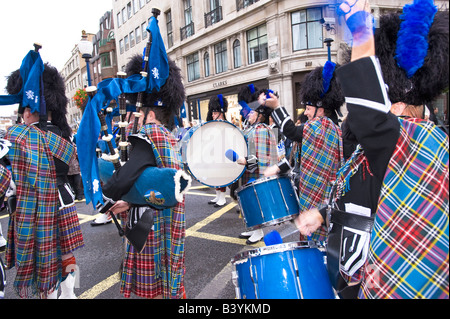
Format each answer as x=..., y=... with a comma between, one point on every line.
x=247, y=96
x=217, y=108
x=320, y=137
x=262, y=152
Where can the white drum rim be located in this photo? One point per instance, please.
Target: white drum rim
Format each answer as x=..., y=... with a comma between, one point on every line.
x=266, y=250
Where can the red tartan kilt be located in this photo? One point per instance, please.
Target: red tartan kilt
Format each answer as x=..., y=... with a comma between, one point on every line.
x=70, y=236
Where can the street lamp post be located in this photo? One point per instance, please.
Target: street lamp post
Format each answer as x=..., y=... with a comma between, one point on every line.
x=86, y=47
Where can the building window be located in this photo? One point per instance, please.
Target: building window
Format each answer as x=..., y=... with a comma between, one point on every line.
x=124, y=16
x=119, y=20
x=241, y=4
x=188, y=29
x=121, y=47
x=257, y=44
x=307, y=29
x=137, y=31
x=215, y=13
x=129, y=11
x=169, y=29
x=193, y=67
x=206, y=64
x=237, y=54
x=220, y=53
x=144, y=30
x=127, y=43
x=132, y=39
x=106, y=60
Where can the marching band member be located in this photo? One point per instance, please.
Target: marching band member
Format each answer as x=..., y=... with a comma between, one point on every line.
x=217, y=108
x=320, y=137
x=247, y=95
x=5, y=181
x=262, y=152
x=158, y=270
x=39, y=156
x=401, y=243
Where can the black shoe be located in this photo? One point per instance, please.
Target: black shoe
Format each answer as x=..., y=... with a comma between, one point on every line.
x=211, y=202
x=217, y=205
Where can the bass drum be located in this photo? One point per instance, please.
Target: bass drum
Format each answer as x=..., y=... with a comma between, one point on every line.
x=203, y=151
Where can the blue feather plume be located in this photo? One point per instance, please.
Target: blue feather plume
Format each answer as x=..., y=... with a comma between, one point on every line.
x=412, y=41
x=327, y=75
x=220, y=96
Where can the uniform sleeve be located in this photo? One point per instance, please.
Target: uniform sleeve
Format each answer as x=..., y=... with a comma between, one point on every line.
x=286, y=125
x=369, y=118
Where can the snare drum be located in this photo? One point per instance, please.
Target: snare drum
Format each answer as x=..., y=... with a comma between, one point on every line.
x=203, y=151
x=268, y=201
x=293, y=270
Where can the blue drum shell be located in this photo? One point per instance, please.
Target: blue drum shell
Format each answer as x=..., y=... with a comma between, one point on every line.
x=271, y=273
x=268, y=201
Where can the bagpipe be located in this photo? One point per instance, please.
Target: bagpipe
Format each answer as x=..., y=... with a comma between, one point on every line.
x=159, y=188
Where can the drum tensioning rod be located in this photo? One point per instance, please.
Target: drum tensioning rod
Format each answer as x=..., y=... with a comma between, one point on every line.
x=282, y=195
x=257, y=198
x=235, y=280
x=255, y=281
x=297, y=274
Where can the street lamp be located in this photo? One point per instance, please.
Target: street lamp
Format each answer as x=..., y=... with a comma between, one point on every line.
x=86, y=47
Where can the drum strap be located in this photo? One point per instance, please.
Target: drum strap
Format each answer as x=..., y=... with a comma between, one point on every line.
x=341, y=219
x=362, y=223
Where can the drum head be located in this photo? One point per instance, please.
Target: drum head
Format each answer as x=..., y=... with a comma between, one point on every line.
x=204, y=149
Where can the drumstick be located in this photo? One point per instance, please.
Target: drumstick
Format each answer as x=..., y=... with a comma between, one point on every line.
x=231, y=155
x=275, y=238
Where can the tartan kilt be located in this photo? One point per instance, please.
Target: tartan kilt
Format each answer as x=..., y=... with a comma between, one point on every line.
x=70, y=236
x=159, y=269
x=146, y=274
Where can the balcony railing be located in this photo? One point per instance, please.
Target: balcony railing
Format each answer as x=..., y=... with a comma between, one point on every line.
x=187, y=31
x=213, y=16
x=241, y=4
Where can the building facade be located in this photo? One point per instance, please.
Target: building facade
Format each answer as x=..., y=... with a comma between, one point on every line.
x=102, y=65
x=223, y=45
x=75, y=77
x=104, y=61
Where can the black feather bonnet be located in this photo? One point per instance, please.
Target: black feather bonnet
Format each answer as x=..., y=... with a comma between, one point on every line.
x=171, y=95
x=54, y=94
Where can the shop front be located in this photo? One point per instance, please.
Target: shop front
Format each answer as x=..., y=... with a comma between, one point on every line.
x=197, y=105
